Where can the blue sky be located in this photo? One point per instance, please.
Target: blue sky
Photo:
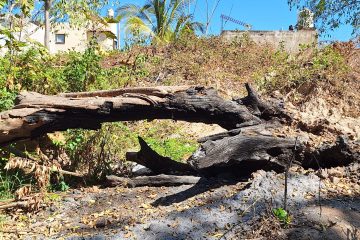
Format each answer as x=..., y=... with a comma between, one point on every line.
x=261, y=14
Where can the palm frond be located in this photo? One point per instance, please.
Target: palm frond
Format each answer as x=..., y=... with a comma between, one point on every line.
x=135, y=24
x=163, y=20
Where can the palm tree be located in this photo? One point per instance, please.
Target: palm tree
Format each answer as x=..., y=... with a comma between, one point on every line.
x=162, y=20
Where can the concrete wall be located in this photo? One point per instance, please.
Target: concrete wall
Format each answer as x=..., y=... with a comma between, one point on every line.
x=291, y=40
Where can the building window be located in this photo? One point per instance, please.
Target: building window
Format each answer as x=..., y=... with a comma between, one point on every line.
x=60, y=38
x=115, y=44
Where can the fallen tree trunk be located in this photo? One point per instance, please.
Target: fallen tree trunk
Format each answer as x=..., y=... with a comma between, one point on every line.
x=158, y=180
x=239, y=151
x=36, y=114
x=259, y=131
x=243, y=151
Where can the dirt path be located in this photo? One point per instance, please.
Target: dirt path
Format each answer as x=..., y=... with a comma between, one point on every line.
x=209, y=210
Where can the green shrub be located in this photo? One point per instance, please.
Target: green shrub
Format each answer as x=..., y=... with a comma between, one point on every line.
x=7, y=99
x=82, y=69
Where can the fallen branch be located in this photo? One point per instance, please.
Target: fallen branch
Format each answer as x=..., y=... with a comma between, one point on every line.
x=158, y=180
x=21, y=204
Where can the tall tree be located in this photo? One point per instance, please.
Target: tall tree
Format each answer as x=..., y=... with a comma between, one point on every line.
x=12, y=14
x=330, y=14
x=162, y=20
x=47, y=6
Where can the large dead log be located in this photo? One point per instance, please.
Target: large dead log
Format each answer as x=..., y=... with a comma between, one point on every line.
x=242, y=151
x=257, y=136
x=36, y=114
x=239, y=150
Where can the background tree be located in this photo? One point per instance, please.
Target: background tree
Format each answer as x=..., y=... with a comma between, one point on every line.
x=76, y=12
x=161, y=20
x=12, y=14
x=330, y=14
x=47, y=5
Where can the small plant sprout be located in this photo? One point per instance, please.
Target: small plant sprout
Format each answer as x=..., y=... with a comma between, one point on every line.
x=282, y=215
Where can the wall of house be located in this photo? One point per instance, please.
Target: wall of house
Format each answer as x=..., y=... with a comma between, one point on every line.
x=75, y=38
x=290, y=40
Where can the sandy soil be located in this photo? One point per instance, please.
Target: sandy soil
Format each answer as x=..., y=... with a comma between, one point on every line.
x=212, y=209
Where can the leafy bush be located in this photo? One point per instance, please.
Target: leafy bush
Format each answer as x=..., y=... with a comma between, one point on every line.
x=7, y=99
x=82, y=69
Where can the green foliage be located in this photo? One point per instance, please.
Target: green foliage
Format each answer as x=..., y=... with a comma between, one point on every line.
x=282, y=215
x=175, y=148
x=10, y=42
x=160, y=20
x=52, y=197
x=78, y=12
x=75, y=138
x=13, y=11
x=10, y=181
x=7, y=99
x=137, y=38
x=331, y=14
x=36, y=70
x=82, y=69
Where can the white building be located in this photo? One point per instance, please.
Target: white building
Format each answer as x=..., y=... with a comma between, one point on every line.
x=64, y=37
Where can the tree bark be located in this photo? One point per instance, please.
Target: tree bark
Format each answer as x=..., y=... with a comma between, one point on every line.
x=253, y=147
x=36, y=114
x=47, y=6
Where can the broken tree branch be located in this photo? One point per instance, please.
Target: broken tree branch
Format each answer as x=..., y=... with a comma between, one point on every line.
x=158, y=180
x=14, y=205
